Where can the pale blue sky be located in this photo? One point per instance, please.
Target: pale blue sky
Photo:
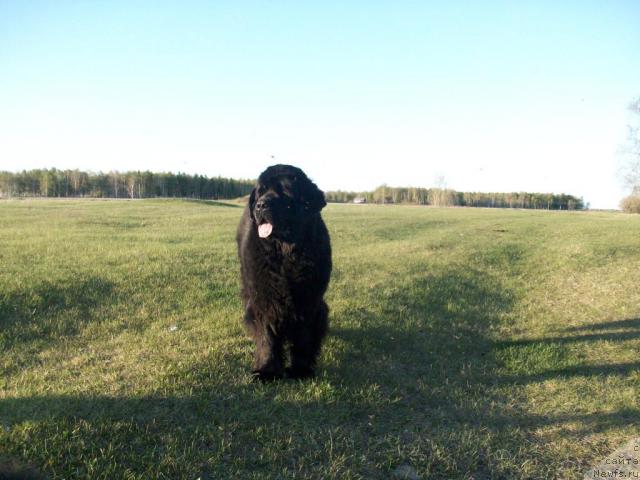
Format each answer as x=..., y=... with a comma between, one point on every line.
x=494, y=96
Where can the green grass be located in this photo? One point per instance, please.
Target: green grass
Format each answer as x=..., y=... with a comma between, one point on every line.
x=465, y=343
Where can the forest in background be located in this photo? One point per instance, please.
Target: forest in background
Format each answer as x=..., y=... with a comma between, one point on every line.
x=442, y=197
x=137, y=184
x=133, y=184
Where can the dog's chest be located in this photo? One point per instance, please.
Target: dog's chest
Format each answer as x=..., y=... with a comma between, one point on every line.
x=289, y=269
x=296, y=267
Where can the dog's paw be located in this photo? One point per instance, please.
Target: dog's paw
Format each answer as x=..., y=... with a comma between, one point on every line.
x=265, y=376
x=300, y=373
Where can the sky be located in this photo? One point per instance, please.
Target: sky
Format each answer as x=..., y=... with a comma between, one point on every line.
x=489, y=96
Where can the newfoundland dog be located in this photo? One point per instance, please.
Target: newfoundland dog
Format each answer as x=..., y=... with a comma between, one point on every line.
x=285, y=258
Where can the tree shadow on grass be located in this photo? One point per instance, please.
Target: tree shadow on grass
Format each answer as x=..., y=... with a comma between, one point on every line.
x=214, y=203
x=433, y=328
x=396, y=372
x=438, y=361
x=587, y=337
x=48, y=311
x=594, y=371
x=412, y=378
x=613, y=325
x=618, y=331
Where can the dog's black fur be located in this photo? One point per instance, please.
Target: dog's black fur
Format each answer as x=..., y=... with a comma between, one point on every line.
x=285, y=275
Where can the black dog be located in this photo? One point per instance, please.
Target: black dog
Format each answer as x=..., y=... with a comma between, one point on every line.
x=285, y=257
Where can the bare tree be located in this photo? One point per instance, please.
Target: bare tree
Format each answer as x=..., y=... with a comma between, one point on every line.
x=115, y=177
x=441, y=196
x=631, y=166
x=131, y=185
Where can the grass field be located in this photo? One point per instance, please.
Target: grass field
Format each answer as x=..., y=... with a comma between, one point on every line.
x=464, y=344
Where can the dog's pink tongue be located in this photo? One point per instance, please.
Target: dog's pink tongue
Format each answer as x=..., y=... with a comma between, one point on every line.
x=264, y=230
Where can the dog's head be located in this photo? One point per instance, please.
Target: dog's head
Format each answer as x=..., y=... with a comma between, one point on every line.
x=283, y=202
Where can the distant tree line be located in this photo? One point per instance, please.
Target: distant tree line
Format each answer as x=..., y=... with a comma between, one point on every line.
x=134, y=184
x=137, y=184
x=448, y=197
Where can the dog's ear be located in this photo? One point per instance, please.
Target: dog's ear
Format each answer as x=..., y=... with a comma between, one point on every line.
x=252, y=202
x=315, y=200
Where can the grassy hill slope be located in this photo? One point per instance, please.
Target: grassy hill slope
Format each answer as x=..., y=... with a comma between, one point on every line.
x=464, y=343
